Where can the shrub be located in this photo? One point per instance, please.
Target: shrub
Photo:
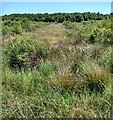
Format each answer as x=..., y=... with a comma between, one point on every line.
x=17, y=52
x=27, y=25
x=68, y=24
x=92, y=39
x=8, y=23
x=106, y=57
x=6, y=30
x=17, y=29
x=25, y=52
x=79, y=18
x=97, y=32
x=11, y=27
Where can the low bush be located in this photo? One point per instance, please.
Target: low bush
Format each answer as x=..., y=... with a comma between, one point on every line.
x=19, y=53
x=17, y=28
x=6, y=30
x=68, y=24
x=106, y=57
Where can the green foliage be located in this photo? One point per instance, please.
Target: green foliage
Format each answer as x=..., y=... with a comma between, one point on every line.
x=46, y=69
x=11, y=27
x=19, y=51
x=106, y=58
x=79, y=18
x=17, y=29
x=95, y=32
x=6, y=30
x=25, y=53
x=27, y=25
x=68, y=24
x=56, y=17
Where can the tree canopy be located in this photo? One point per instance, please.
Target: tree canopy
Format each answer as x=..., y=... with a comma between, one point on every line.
x=56, y=17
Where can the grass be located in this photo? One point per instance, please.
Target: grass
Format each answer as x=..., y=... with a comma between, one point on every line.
x=97, y=77
x=59, y=77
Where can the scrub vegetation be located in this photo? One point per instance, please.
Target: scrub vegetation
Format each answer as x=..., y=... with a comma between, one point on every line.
x=57, y=66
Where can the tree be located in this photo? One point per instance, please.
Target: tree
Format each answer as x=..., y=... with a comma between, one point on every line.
x=79, y=18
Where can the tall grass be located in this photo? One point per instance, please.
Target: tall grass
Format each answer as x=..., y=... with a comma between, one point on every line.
x=97, y=77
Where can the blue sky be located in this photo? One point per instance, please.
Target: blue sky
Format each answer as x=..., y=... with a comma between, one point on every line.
x=53, y=7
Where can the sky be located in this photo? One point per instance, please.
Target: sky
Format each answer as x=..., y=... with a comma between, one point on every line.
x=55, y=7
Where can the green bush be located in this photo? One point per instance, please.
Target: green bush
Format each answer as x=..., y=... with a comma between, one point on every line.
x=92, y=39
x=17, y=29
x=27, y=25
x=17, y=53
x=96, y=32
x=6, y=30
x=68, y=24
x=25, y=52
x=79, y=18
x=11, y=27
x=8, y=23
x=106, y=57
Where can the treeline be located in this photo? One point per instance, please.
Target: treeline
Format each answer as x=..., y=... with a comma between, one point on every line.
x=56, y=17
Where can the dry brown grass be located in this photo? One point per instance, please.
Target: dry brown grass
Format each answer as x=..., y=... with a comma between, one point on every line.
x=64, y=80
x=93, y=73
x=49, y=34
